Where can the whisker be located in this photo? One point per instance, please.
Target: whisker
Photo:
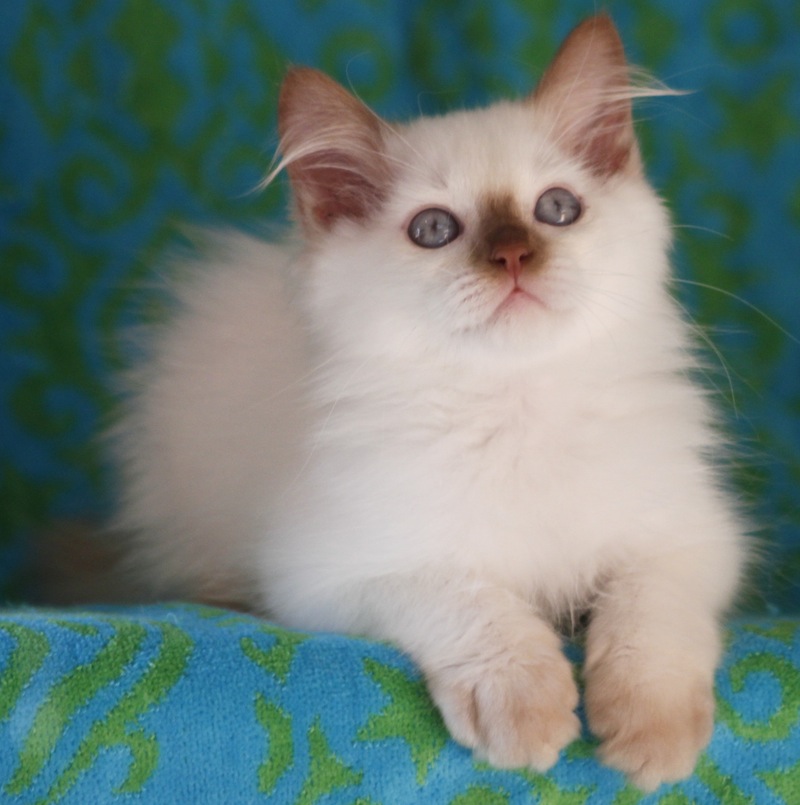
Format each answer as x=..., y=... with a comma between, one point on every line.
x=742, y=301
x=706, y=229
x=700, y=332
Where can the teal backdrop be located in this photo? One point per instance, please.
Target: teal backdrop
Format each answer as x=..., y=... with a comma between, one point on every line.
x=122, y=119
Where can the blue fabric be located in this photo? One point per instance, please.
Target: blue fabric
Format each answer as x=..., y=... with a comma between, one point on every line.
x=179, y=704
x=120, y=119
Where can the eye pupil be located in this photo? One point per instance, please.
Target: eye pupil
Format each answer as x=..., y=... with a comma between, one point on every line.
x=433, y=228
x=557, y=207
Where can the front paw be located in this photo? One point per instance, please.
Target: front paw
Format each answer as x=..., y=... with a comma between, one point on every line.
x=652, y=730
x=515, y=709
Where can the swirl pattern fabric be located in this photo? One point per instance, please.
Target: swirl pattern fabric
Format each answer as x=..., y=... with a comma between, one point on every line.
x=122, y=119
x=192, y=704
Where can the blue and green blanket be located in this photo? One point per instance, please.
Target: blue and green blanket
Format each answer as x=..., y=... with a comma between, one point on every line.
x=187, y=704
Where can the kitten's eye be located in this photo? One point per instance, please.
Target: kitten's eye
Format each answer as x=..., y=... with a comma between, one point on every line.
x=433, y=228
x=557, y=207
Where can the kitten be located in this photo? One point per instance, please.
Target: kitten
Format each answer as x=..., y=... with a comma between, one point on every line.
x=455, y=409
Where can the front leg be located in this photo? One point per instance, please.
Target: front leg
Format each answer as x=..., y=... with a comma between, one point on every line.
x=653, y=645
x=494, y=668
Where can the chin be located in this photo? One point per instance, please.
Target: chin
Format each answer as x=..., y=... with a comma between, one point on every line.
x=523, y=331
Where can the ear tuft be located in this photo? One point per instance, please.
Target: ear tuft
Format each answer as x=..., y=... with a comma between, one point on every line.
x=587, y=92
x=332, y=148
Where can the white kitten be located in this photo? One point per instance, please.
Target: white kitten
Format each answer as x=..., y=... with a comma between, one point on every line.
x=458, y=410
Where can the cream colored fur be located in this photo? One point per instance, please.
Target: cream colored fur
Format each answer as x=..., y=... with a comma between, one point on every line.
x=355, y=433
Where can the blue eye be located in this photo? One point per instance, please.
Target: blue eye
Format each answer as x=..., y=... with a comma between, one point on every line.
x=557, y=207
x=433, y=228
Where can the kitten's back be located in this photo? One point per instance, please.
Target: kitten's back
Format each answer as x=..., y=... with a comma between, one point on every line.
x=212, y=425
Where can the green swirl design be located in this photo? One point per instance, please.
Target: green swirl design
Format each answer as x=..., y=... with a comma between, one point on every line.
x=280, y=749
x=409, y=716
x=549, y=791
x=327, y=773
x=719, y=784
x=481, y=795
x=627, y=796
x=777, y=726
x=75, y=690
x=350, y=44
x=26, y=659
x=67, y=696
x=278, y=658
x=784, y=782
x=162, y=675
x=763, y=26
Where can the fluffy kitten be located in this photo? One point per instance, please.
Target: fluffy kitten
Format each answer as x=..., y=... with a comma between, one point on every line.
x=454, y=410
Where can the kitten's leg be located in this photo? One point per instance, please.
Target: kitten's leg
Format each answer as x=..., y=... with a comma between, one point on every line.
x=652, y=648
x=494, y=669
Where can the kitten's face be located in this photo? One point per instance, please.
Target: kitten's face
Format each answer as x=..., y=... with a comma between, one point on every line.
x=522, y=227
x=542, y=250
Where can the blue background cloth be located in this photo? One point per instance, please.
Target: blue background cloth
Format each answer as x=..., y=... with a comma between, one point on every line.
x=121, y=119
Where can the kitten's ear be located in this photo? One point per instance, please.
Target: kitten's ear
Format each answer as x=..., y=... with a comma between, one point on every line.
x=332, y=147
x=587, y=93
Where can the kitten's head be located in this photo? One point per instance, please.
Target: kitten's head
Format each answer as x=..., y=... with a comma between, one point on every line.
x=519, y=227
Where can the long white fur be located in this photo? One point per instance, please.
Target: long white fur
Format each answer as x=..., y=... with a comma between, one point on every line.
x=345, y=435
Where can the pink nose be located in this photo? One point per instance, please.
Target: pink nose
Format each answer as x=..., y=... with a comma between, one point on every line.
x=511, y=256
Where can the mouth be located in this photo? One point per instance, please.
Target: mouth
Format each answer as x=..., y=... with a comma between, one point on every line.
x=517, y=299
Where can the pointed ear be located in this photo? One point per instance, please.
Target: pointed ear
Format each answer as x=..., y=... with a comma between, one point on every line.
x=332, y=148
x=586, y=92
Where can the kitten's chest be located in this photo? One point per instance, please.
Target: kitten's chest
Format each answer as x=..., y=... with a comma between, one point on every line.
x=535, y=454
x=521, y=477
x=516, y=431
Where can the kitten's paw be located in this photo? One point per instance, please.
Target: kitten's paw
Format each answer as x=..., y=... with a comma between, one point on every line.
x=653, y=732
x=514, y=711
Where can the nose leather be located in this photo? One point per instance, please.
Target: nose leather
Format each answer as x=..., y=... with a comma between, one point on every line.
x=507, y=241
x=511, y=256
